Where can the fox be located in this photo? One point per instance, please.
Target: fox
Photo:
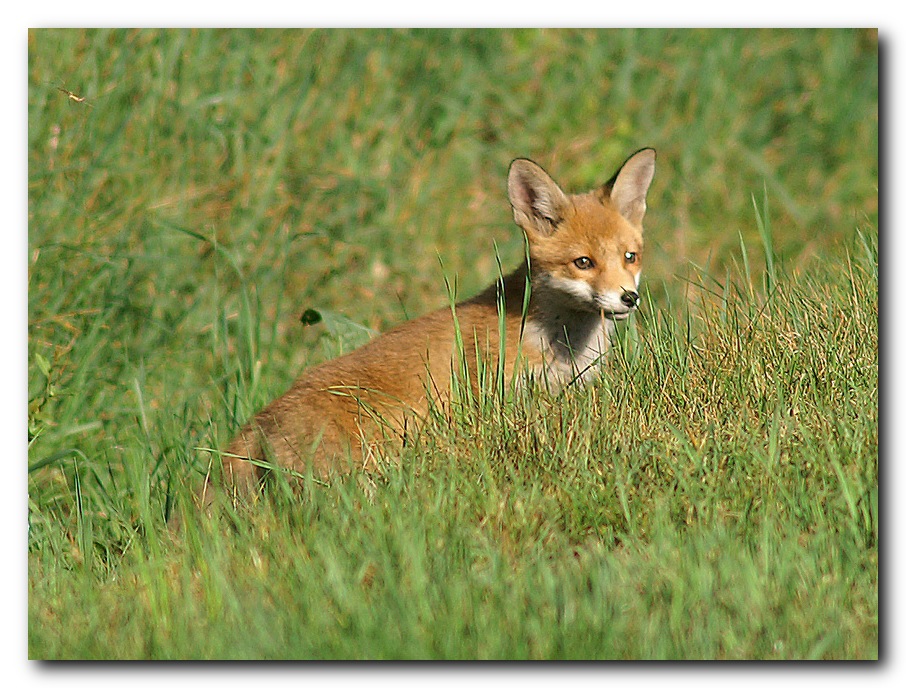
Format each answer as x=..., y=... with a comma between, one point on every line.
x=580, y=275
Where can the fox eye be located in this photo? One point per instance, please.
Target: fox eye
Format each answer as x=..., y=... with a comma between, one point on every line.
x=583, y=263
x=629, y=256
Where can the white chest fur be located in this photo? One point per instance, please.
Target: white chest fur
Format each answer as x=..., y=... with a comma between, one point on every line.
x=571, y=345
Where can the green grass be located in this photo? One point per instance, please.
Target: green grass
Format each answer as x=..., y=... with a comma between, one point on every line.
x=714, y=495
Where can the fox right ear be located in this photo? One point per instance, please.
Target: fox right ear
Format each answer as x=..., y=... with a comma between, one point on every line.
x=629, y=185
x=538, y=203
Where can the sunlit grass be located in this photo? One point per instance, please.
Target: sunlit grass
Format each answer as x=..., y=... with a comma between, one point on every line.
x=715, y=494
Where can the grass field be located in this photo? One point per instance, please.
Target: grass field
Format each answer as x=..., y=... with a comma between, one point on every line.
x=192, y=193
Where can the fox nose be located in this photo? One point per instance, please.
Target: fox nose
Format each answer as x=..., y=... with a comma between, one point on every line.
x=630, y=298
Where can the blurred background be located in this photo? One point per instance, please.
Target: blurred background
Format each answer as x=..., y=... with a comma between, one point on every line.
x=193, y=192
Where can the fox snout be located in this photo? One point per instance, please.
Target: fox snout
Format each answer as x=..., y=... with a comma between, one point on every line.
x=618, y=305
x=630, y=299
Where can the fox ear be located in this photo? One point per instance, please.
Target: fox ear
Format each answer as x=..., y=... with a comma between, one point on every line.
x=629, y=185
x=538, y=203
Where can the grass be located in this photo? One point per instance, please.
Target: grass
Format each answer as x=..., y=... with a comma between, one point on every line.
x=714, y=495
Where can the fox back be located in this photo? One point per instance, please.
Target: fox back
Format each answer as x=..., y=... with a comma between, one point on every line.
x=558, y=309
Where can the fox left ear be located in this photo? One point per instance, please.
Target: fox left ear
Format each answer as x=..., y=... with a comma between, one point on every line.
x=629, y=185
x=539, y=205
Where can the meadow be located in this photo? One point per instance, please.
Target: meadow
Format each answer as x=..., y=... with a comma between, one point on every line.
x=195, y=197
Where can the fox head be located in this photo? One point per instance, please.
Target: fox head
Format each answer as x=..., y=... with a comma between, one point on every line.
x=587, y=247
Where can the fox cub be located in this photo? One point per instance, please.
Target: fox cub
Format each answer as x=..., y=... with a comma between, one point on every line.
x=582, y=273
